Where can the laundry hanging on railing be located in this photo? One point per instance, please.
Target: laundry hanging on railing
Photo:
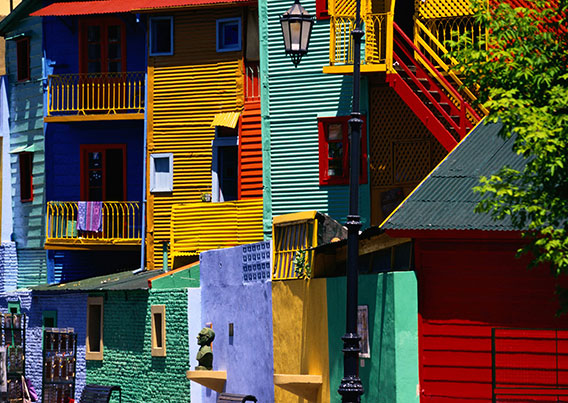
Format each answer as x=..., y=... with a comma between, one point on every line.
x=90, y=216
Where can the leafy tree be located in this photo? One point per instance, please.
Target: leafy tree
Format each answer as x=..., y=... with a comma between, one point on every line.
x=520, y=69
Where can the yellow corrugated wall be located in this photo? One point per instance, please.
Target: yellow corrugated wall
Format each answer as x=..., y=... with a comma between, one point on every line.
x=186, y=90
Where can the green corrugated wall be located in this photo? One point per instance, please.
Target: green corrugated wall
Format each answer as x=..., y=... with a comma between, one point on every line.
x=293, y=98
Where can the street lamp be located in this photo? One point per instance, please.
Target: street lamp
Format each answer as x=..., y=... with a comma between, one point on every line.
x=296, y=28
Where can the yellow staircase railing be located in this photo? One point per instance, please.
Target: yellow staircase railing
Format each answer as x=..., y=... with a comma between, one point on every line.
x=432, y=47
x=121, y=224
x=95, y=93
x=201, y=226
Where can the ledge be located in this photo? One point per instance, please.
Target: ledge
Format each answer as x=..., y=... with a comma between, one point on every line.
x=305, y=386
x=348, y=69
x=214, y=380
x=93, y=117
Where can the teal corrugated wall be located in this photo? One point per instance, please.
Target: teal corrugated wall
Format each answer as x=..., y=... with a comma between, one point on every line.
x=26, y=128
x=296, y=97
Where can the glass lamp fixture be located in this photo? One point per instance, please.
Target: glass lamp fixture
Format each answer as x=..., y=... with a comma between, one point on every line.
x=296, y=29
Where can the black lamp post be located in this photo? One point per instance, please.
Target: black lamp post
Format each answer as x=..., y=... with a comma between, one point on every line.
x=351, y=387
x=296, y=28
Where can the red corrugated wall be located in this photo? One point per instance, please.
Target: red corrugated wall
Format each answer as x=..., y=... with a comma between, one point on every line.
x=466, y=289
x=250, y=152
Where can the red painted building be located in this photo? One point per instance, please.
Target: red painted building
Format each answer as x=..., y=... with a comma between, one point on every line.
x=488, y=325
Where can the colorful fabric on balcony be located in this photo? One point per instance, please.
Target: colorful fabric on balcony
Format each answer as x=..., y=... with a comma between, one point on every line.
x=89, y=216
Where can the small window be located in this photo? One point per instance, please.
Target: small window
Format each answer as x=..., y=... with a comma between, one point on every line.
x=158, y=330
x=321, y=10
x=94, y=340
x=334, y=151
x=23, y=58
x=225, y=165
x=228, y=34
x=14, y=307
x=161, y=36
x=49, y=319
x=26, y=176
x=161, y=172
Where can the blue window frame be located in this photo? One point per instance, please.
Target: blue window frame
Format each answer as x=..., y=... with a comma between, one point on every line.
x=161, y=36
x=228, y=34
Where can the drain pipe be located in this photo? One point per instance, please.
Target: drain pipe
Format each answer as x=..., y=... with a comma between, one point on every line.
x=144, y=159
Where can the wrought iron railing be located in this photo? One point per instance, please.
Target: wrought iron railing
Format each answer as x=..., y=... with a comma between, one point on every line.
x=121, y=222
x=93, y=93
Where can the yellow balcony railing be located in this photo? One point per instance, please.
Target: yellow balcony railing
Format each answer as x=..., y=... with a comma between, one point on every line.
x=95, y=93
x=378, y=47
x=121, y=225
x=197, y=227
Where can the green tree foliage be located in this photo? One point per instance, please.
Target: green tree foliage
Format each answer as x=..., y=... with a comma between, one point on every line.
x=520, y=69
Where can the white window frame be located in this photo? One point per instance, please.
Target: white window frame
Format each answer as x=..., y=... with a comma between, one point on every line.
x=158, y=351
x=94, y=355
x=226, y=48
x=216, y=194
x=154, y=188
x=151, y=36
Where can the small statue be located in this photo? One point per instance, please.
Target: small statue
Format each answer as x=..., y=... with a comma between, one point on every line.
x=205, y=354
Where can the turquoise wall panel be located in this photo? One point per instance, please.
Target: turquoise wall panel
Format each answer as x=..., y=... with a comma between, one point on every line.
x=296, y=97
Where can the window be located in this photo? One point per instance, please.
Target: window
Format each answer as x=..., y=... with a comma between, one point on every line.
x=94, y=340
x=102, y=46
x=228, y=34
x=321, y=10
x=103, y=172
x=158, y=330
x=14, y=307
x=161, y=172
x=26, y=176
x=23, y=58
x=161, y=36
x=334, y=151
x=225, y=165
x=49, y=319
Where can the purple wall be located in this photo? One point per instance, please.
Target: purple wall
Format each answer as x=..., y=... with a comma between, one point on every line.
x=230, y=294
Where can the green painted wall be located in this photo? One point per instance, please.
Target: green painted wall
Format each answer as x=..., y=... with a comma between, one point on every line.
x=292, y=100
x=127, y=347
x=391, y=374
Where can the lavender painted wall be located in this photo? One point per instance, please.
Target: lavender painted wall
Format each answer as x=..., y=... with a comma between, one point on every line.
x=227, y=298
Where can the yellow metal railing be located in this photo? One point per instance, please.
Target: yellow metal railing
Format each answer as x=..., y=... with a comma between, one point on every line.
x=93, y=93
x=437, y=54
x=197, y=227
x=121, y=223
x=378, y=39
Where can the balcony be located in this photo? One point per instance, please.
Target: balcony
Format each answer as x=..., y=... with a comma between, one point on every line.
x=95, y=96
x=120, y=226
x=197, y=227
x=377, y=52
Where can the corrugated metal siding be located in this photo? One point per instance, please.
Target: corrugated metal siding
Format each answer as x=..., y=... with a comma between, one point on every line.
x=250, y=152
x=188, y=90
x=297, y=97
x=26, y=128
x=195, y=226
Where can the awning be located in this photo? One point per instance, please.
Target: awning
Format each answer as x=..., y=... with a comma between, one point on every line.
x=122, y=6
x=23, y=149
x=227, y=119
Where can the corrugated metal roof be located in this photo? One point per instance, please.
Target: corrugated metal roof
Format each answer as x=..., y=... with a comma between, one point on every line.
x=126, y=280
x=227, y=119
x=122, y=6
x=445, y=199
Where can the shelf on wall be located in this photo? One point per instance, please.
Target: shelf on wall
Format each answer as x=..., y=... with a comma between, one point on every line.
x=306, y=386
x=214, y=380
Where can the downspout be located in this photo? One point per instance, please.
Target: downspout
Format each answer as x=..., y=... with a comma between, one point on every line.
x=144, y=157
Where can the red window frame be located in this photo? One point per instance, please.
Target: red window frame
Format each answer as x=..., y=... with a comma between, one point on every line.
x=23, y=59
x=322, y=10
x=323, y=130
x=26, y=176
x=102, y=148
x=103, y=23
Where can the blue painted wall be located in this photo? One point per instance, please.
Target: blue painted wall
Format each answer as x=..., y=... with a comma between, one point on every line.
x=63, y=141
x=64, y=55
x=227, y=298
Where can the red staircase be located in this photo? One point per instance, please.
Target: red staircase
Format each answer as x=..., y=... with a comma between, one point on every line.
x=429, y=94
